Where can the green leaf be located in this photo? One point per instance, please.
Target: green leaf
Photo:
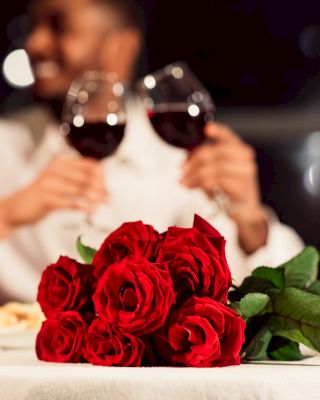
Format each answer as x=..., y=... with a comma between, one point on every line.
x=273, y=275
x=252, y=304
x=86, y=253
x=296, y=316
x=302, y=270
x=257, y=347
x=314, y=288
x=253, y=284
x=281, y=349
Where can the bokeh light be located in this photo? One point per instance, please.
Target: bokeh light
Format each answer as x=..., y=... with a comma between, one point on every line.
x=112, y=119
x=150, y=82
x=78, y=121
x=193, y=110
x=312, y=179
x=16, y=69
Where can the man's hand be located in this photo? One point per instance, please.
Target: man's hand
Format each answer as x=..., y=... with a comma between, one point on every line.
x=230, y=164
x=66, y=183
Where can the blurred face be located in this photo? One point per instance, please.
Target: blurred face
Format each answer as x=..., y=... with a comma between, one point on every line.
x=68, y=37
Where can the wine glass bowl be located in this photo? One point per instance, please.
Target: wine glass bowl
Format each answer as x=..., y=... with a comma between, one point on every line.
x=94, y=117
x=177, y=104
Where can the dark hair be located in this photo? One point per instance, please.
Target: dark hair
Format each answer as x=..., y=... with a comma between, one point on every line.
x=129, y=11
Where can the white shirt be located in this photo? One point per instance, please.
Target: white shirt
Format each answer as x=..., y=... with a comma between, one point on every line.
x=142, y=180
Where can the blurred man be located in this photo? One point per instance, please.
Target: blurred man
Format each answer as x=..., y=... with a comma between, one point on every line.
x=46, y=189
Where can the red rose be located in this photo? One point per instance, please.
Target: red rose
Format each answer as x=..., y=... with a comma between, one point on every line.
x=64, y=286
x=203, y=333
x=197, y=262
x=106, y=346
x=131, y=239
x=134, y=295
x=61, y=338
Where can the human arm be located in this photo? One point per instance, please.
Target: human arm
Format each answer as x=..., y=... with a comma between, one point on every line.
x=66, y=183
x=229, y=163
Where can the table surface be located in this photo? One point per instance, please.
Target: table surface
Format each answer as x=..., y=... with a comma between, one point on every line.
x=22, y=376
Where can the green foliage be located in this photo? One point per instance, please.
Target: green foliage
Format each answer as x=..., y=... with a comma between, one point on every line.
x=254, y=284
x=281, y=307
x=281, y=349
x=296, y=316
x=251, y=305
x=272, y=275
x=257, y=347
x=314, y=288
x=86, y=253
x=302, y=270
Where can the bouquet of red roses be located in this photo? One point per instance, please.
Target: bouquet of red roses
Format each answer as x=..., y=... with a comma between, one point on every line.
x=143, y=298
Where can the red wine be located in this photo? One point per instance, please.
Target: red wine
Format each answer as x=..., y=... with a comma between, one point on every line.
x=96, y=140
x=179, y=128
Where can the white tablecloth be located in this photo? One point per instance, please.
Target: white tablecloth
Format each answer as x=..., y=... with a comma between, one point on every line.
x=23, y=377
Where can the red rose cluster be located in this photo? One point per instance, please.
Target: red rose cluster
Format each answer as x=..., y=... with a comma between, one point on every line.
x=147, y=299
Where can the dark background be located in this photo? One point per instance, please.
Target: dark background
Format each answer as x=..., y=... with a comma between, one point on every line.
x=260, y=59
x=260, y=52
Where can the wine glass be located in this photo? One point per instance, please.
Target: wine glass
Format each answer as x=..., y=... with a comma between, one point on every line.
x=94, y=118
x=179, y=106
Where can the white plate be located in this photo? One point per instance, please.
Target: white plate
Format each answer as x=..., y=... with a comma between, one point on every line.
x=17, y=338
